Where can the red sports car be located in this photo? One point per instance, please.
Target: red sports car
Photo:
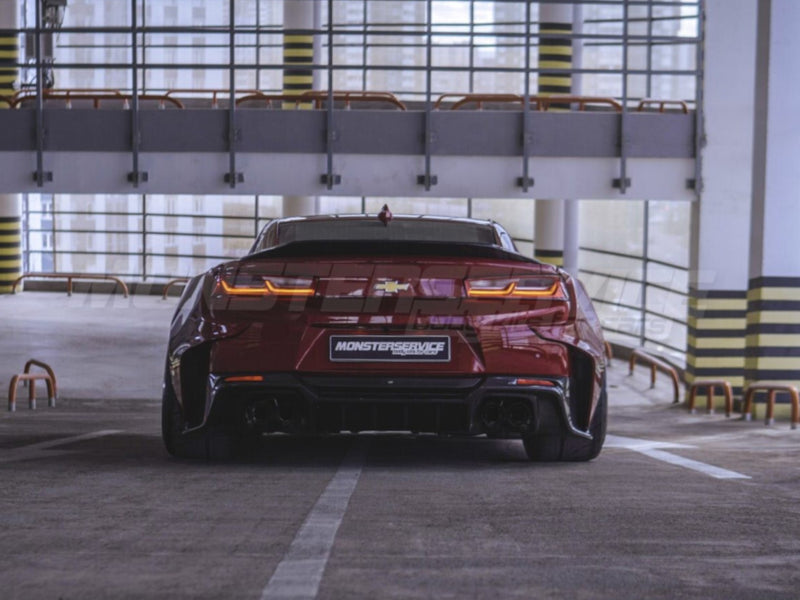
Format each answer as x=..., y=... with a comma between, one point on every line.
x=377, y=323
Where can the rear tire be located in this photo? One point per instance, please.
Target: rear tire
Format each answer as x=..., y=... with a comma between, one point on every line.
x=209, y=443
x=552, y=448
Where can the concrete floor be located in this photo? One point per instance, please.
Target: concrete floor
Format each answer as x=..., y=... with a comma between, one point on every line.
x=91, y=505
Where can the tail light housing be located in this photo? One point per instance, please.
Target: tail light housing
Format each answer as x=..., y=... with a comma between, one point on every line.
x=545, y=288
x=246, y=284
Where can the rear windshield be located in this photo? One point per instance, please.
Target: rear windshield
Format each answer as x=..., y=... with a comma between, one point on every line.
x=412, y=230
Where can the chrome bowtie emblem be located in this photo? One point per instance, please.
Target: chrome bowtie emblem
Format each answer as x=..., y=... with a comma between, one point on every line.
x=391, y=287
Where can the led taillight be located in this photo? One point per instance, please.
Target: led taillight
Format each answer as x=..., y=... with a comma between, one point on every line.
x=522, y=287
x=269, y=286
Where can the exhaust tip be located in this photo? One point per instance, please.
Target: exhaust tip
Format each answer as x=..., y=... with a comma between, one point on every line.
x=518, y=415
x=512, y=415
x=491, y=416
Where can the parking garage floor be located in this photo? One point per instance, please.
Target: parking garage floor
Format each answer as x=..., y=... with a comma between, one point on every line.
x=676, y=506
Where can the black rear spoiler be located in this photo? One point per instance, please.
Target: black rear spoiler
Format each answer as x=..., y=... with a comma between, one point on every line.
x=326, y=248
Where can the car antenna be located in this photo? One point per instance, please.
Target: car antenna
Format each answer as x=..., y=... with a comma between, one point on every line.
x=385, y=215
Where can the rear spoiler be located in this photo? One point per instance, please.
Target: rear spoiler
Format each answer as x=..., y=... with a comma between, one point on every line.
x=326, y=248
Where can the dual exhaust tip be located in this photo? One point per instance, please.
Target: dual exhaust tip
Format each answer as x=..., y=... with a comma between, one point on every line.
x=276, y=414
x=507, y=415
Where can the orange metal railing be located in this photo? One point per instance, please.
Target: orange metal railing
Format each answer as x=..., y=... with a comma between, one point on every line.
x=49, y=377
x=70, y=277
x=216, y=94
x=662, y=105
x=711, y=385
x=656, y=364
x=171, y=283
x=268, y=99
x=96, y=97
x=772, y=388
x=541, y=103
x=319, y=98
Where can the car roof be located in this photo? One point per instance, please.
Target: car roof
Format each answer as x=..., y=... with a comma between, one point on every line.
x=374, y=216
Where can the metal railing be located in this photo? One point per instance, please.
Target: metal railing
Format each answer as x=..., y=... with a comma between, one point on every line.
x=655, y=364
x=373, y=49
x=365, y=52
x=138, y=247
x=645, y=314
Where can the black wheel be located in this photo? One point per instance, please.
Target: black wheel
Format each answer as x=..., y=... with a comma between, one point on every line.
x=551, y=448
x=209, y=444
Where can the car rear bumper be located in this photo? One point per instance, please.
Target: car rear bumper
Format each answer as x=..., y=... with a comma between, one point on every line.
x=499, y=406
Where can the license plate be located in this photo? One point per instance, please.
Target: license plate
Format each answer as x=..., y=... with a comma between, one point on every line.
x=390, y=348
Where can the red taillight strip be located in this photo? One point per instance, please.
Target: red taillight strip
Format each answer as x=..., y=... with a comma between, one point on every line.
x=244, y=379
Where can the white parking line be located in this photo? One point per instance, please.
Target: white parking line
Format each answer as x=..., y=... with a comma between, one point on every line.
x=654, y=449
x=35, y=450
x=300, y=572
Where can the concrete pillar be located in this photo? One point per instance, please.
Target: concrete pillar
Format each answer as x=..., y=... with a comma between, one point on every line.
x=773, y=297
x=572, y=208
x=554, y=53
x=299, y=206
x=719, y=250
x=549, y=236
x=10, y=205
x=299, y=50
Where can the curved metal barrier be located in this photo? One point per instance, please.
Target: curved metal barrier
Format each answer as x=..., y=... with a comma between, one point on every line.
x=711, y=385
x=656, y=364
x=771, y=388
x=96, y=98
x=172, y=282
x=609, y=350
x=662, y=104
x=319, y=98
x=477, y=99
x=70, y=277
x=49, y=377
x=216, y=94
x=541, y=103
x=268, y=99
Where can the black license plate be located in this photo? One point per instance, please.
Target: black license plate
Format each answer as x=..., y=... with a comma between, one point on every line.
x=390, y=348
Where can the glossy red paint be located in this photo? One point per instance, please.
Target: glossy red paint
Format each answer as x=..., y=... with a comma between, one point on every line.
x=488, y=335
x=253, y=339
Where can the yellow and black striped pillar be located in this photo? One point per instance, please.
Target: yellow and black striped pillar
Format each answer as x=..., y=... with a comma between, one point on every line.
x=10, y=221
x=555, y=52
x=773, y=329
x=773, y=296
x=298, y=58
x=716, y=336
x=9, y=57
x=299, y=23
x=551, y=257
x=10, y=246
